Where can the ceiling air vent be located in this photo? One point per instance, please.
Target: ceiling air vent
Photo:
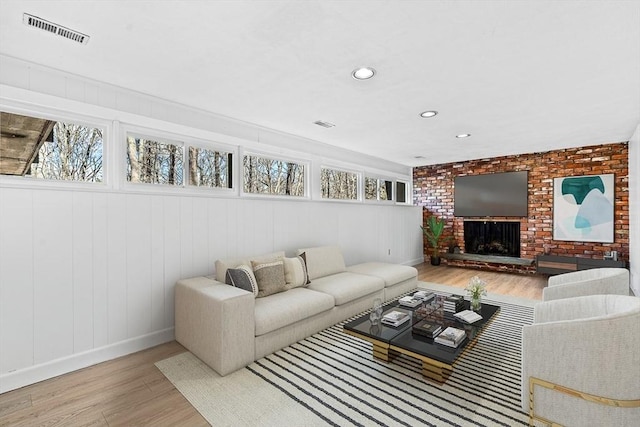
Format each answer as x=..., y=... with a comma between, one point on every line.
x=324, y=124
x=34, y=21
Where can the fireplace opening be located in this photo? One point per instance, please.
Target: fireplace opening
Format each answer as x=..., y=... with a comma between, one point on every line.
x=501, y=238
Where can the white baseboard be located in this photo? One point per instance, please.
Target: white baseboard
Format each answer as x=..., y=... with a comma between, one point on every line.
x=415, y=261
x=44, y=371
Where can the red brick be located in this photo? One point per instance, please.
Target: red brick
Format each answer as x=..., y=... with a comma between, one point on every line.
x=433, y=188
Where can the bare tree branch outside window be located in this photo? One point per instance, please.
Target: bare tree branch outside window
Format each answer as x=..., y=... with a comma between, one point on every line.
x=154, y=162
x=74, y=154
x=269, y=176
x=337, y=184
x=377, y=189
x=47, y=149
x=208, y=168
x=370, y=188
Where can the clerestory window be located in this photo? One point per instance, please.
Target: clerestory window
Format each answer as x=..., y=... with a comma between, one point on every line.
x=263, y=175
x=338, y=184
x=152, y=161
x=42, y=148
x=210, y=168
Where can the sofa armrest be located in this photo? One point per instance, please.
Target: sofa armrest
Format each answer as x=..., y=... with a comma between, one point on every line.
x=216, y=323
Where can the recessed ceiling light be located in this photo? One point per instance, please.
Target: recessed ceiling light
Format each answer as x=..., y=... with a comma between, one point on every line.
x=427, y=114
x=418, y=157
x=363, y=73
x=324, y=124
x=463, y=135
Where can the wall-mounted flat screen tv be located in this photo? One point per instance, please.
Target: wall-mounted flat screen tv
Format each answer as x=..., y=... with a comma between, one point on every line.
x=496, y=194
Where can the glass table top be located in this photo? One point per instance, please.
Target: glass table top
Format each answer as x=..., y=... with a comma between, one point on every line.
x=404, y=337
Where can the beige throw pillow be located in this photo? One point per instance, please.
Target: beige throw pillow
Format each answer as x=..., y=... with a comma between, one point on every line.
x=270, y=276
x=295, y=272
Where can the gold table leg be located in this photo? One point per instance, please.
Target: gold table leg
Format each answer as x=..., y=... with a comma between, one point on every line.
x=431, y=369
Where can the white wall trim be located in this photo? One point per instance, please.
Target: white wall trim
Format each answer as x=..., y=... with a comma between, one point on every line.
x=64, y=365
x=634, y=211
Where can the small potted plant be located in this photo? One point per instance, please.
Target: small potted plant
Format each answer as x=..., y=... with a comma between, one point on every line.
x=475, y=289
x=433, y=232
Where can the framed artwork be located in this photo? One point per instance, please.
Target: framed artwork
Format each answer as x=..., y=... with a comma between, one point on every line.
x=583, y=208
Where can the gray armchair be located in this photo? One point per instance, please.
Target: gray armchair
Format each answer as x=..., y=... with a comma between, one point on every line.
x=595, y=281
x=581, y=362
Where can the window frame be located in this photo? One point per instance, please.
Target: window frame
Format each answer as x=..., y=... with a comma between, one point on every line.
x=379, y=179
x=114, y=134
x=272, y=155
x=407, y=192
x=62, y=116
x=125, y=129
x=212, y=146
x=359, y=184
x=161, y=139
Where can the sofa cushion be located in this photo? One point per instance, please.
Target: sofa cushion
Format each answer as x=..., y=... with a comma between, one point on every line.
x=323, y=261
x=223, y=264
x=295, y=272
x=347, y=286
x=285, y=308
x=270, y=276
x=390, y=273
x=243, y=278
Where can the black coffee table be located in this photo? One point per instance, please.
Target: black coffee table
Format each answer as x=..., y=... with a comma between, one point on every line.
x=437, y=359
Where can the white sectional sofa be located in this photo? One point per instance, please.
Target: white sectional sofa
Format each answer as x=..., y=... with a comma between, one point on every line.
x=228, y=327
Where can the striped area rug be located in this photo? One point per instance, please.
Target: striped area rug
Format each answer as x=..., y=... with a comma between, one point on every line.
x=331, y=378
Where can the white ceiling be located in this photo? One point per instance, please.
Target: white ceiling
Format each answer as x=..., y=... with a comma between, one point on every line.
x=520, y=76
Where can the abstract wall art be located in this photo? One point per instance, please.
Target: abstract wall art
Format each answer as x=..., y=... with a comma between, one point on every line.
x=583, y=208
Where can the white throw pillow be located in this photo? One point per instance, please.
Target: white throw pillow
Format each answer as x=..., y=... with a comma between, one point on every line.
x=295, y=272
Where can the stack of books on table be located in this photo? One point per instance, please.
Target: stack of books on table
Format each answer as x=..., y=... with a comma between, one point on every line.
x=409, y=301
x=468, y=316
x=453, y=304
x=451, y=337
x=427, y=329
x=424, y=296
x=395, y=318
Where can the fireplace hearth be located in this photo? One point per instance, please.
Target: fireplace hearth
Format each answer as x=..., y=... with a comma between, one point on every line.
x=496, y=238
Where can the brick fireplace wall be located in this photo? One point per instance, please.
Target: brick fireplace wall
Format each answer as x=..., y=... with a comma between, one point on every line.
x=433, y=190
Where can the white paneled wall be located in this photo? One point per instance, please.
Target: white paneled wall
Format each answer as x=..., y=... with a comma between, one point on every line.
x=80, y=271
x=87, y=275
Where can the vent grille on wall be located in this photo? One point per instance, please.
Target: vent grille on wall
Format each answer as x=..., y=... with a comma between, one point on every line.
x=34, y=21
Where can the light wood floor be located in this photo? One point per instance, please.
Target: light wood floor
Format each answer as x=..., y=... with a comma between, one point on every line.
x=517, y=285
x=131, y=391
